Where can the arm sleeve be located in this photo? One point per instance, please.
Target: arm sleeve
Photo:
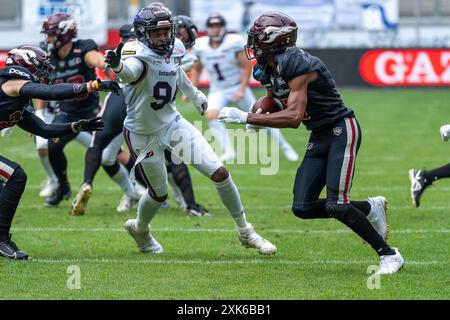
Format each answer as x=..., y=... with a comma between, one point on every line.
x=130, y=70
x=31, y=123
x=185, y=85
x=59, y=91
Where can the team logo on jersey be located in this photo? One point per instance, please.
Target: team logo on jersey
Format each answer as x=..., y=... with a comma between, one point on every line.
x=310, y=146
x=20, y=73
x=78, y=50
x=74, y=61
x=128, y=52
x=337, y=131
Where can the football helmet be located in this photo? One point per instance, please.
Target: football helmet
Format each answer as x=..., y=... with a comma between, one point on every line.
x=148, y=21
x=60, y=29
x=186, y=30
x=126, y=32
x=271, y=33
x=34, y=60
x=216, y=19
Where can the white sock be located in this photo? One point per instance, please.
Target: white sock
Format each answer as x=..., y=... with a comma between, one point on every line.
x=123, y=180
x=220, y=133
x=277, y=136
x=230, y=198
x=147, y=209
x=45, y=163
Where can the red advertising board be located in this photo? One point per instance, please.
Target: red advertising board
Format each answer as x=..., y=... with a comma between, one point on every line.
x=406, y=67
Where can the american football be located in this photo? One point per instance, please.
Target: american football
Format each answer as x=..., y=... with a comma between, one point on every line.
x=268, y=105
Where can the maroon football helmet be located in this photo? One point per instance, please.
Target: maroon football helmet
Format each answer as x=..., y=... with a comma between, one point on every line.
x=271, y=33
x=62, y=27
x=34, y=60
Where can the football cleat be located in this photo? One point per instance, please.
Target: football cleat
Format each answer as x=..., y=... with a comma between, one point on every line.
x=250, y=239
x=418, y=185
x=127, y=202
x=79, y=204
x=8, y=249
x=144, y=240
x=197, y=210
x=390, y=264
x=62, y=193
x=378, y=215
x=48, y=189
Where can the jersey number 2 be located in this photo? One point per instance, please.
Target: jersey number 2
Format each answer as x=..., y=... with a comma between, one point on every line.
x=162, y=91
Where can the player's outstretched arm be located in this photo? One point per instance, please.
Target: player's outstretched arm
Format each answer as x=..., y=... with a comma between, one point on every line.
x=33, y=124
x=60, y=91
x=129, y=70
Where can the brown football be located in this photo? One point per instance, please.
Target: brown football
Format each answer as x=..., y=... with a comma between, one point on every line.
x=268, y=105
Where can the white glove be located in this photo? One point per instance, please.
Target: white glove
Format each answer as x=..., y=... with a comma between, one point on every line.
x=200, y=102
x=233, y=115
x=6, y=132
x=445, y=132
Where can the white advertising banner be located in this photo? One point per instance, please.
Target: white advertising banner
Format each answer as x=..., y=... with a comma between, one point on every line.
x=91, y=16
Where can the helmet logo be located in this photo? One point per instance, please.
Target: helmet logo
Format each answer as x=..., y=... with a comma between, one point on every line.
x=271, y=33
x=27, y=55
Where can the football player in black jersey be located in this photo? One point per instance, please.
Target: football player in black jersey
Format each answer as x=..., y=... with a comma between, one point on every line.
x=75, y=61
x=27, y=75
x=307, y=89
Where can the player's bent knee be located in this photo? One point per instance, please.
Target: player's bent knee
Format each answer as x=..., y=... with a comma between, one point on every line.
x=157, y=198
x=302, y=211
x=220, y=174
x=42, y=152
x=18, y=179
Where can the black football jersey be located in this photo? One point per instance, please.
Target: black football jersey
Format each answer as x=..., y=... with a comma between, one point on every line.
x=72, y=69
x=12, y=108
x=324, y=106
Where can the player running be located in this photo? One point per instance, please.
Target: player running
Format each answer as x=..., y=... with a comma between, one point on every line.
x=223, y=56
x=304, y=84
x=150, y=73
x=27, y=75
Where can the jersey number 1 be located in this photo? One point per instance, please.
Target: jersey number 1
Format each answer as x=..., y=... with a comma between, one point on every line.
x=220, y=77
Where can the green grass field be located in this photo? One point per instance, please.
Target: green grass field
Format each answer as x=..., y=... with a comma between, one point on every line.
x=203, y=258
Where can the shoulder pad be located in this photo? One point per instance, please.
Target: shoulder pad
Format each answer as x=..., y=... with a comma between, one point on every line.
x=178, y=49
x=200, y=43
x=294, y=62
x=86, y=45
x=16, y=72
x=234, y=41
x=135, y=49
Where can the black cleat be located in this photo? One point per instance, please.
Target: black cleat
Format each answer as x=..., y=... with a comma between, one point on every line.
x=418, y=185
x=197, y=210
x=62, y=193
x=8, y=249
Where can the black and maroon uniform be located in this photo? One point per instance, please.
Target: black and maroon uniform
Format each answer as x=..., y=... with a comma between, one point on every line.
x=335, y=134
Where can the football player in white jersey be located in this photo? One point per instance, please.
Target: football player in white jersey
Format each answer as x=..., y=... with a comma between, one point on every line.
x=223, y=56
x=150, y=74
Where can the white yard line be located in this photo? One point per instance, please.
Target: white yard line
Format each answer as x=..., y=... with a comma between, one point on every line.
x=221, y=230
x=262, y=261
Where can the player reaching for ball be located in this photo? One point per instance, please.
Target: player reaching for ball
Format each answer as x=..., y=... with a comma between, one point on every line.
x=307, y=89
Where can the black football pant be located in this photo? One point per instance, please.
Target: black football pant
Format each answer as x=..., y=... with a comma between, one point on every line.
x=329, y=162
x=13, y=180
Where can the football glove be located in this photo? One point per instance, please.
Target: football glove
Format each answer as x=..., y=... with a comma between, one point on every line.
x=445, y=132
x=252, y=127
x=107, y=85
x=233, y=115
x=93, y=124
x=200, y=102
x=112, y=57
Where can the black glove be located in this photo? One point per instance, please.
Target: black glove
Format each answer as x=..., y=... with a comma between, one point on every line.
x=94, y=124
x=108, y=85
x=112, y=57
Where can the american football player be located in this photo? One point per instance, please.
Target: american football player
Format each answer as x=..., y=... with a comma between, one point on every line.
x=27, y=75
x=150, y=73
x=306, y=87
